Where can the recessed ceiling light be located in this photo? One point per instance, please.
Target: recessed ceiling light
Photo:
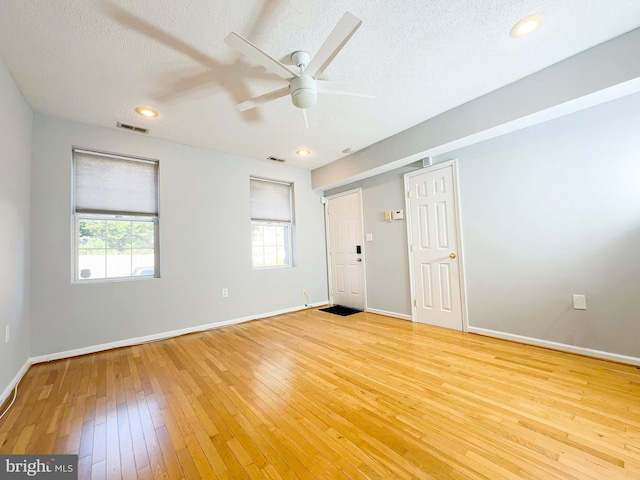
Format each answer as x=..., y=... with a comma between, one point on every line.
x=147, y=112
x=349, y=150
x=526, y=26
x=303, y=152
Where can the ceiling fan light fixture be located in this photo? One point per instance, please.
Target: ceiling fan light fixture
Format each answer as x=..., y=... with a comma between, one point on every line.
x=304, y=91
x=147, y=112
x=526, y=26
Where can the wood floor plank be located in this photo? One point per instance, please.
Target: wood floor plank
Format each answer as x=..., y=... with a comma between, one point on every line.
x=156, y=461
x=313, y=395
x=99, y=450
x=127, y=459
x=99, y=470
x=188, y=465
x=86, y=439
x=169, y=456
x=113, y=443
x=205, y=470
x=137, y=436
x=22, y=441
x=85, y=467
x=217, y=463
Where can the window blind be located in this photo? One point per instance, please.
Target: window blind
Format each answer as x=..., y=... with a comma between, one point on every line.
x=270, y=201
x=111, y=184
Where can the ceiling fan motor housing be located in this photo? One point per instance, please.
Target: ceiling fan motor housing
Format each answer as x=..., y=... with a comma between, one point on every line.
x=304, y=91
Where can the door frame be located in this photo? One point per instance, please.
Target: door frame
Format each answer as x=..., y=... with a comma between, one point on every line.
x=325, y=202
x=456, y=202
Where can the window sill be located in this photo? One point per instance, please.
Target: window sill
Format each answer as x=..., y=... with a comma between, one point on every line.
x=114, y=280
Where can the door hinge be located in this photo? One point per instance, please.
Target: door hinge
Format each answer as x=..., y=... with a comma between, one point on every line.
x=415, y=303
x=409, y=194
x=413, y=248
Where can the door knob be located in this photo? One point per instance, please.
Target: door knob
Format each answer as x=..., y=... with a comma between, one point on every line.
x=358, y=259
x=452, y=255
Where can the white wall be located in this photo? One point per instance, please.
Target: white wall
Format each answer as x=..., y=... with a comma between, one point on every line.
x=551, y=211
x=547, y=212
x=15, y=171
x=205, y=244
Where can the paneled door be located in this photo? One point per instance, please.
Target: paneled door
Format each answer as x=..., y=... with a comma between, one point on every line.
x=434, y=249
x=346, y=249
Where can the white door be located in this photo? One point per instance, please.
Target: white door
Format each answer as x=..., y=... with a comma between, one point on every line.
x=433, y=245
x=346, y=249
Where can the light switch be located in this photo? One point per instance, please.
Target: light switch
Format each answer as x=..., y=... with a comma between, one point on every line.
x=579, y=302
x=369, y=237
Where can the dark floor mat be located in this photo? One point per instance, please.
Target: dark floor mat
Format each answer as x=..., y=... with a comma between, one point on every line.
x=340, y=310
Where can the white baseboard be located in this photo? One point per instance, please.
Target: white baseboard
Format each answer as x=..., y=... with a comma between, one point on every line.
x=161, y=336
x=587, y=352
x=389, y=314
x=7, y=391
x=138, y=340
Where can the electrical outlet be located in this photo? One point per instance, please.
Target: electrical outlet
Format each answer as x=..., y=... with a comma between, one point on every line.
x=579, y=302
x=304, y=292
x=7, y=332
x=225, y=292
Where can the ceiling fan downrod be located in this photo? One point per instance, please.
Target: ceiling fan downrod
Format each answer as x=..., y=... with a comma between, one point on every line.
x=304, y=89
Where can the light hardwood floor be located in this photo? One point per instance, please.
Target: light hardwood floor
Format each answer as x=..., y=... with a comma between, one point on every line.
x=313, y=395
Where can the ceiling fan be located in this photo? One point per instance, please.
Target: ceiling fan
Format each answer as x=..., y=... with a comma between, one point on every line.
x=303, y=85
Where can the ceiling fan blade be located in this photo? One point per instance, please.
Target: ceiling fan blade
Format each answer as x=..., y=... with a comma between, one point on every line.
x=337, y=39
x=262, y=99
x=254, y=53
x=343, y=88
x=310, y=119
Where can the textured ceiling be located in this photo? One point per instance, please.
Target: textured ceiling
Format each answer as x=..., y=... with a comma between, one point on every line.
x=95, y=61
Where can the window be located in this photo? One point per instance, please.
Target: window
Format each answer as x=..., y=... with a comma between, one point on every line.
x=115, y=210
x=271, y=223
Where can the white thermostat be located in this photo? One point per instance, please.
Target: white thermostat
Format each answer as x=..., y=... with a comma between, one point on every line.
x=397, y=214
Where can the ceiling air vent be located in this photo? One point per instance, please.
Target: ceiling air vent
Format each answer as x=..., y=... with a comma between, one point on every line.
x=274, y=159
x=132, y=128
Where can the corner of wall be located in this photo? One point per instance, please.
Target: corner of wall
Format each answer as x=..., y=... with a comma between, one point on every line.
x=16, y=123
